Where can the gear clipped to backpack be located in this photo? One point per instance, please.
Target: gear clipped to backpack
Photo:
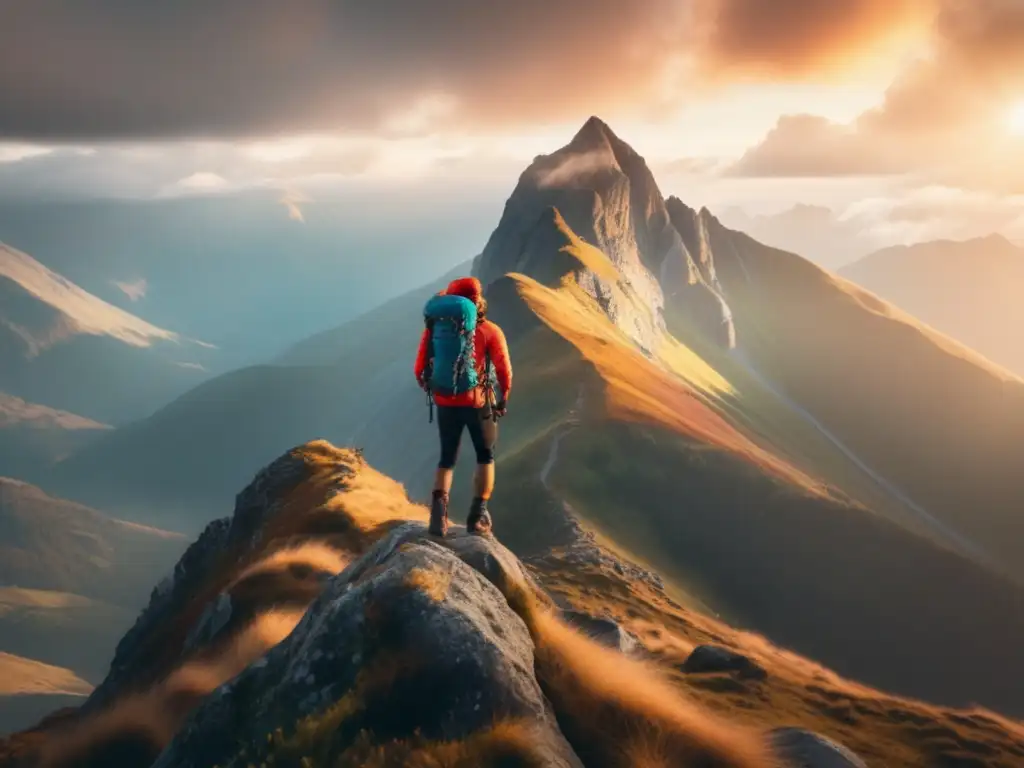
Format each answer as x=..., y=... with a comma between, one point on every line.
x=451, y=321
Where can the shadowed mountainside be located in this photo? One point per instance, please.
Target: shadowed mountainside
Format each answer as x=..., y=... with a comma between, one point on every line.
x=322, y=600
x=70, y=582
x=52, y=544
x=34, y=437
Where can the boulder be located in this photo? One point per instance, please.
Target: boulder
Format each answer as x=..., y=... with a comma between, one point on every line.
x=799, y=748
x=605, y=631
x=415, y=621
x=714, y=658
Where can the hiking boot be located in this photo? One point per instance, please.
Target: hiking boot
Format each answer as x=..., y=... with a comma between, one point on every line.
x=438, y=514
x=479, y=520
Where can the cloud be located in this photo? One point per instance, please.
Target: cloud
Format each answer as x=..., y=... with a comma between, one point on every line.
x=573, y=167
x=149, y=169
x=106, y=69
x=133, y=289
x=690, y=166
x=110, y=69
x=936, y=212
x=944, y=117
x=811, y=146
x=202, y=181
x=12, y=153
x=291, y=200
x=793, y=37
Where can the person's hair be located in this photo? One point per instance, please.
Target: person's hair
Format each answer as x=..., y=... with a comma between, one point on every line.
x=481, y=308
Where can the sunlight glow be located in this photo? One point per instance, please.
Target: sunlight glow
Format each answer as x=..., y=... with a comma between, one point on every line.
x=1015, y=119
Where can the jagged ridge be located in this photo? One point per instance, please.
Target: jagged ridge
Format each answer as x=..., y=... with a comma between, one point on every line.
x=607, y=196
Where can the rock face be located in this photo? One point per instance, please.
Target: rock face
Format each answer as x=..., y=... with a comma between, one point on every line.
x=411, y=621
x=713, y=658
x=798, y=748
x=607, y=196
x=605, y=631
x=700, y=297
x=138, y=654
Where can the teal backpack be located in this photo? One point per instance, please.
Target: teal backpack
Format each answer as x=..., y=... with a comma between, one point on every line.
x=451, y=356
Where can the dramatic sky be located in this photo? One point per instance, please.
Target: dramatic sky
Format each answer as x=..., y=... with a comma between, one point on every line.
x=905, y=117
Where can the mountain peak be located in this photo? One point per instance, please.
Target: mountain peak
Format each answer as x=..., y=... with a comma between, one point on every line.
x=595, y=134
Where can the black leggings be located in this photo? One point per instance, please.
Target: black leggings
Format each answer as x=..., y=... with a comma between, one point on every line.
x=483, y=431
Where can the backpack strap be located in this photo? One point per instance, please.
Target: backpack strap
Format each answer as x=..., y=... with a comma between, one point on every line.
x=428, y=369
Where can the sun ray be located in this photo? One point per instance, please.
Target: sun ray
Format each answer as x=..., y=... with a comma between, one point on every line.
x=1015, y=119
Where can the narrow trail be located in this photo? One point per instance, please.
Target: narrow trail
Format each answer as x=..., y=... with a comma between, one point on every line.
x=571, y=423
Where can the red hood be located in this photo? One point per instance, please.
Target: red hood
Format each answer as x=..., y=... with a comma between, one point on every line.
x=467, y=287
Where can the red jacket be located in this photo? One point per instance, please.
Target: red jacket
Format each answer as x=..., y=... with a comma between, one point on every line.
x=490, y=342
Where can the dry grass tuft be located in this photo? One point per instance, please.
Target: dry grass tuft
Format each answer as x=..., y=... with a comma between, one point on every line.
x=134, y=730
x=433, y=581
x=508, y=744
x=312, y=556
x=617, y=711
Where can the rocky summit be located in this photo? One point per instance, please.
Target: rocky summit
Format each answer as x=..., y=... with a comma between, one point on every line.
x=321, y=625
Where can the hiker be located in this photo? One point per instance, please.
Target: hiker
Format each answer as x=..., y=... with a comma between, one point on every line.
x=461, y=354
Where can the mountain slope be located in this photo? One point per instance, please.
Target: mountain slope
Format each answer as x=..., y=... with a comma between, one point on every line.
x=36, y=624
x=933, y=420
x=322, y=599
x=688, y=418
x=67, y=349
x=34, y=437
x=971, y=290
x=53, y=544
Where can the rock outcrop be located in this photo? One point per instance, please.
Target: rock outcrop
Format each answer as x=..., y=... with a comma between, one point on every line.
x=395, y=649
x=599, y=190
x=798, y=748
x=714, y=658
x=605, y=631
x=410, y=622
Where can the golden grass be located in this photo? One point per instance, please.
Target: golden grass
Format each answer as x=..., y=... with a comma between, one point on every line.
x=884, y=729
x=433, y=582
x=141, y=725
x=616, y=709
x=310, y=556
x=637, y=390
x=590, y=258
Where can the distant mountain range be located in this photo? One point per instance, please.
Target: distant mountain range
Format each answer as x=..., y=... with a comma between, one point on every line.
x=66, y=349
x=240, y=271
x=783, y=447
x=814, y=231
x=34, y=437
x=71, y=581
x=972, y=290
